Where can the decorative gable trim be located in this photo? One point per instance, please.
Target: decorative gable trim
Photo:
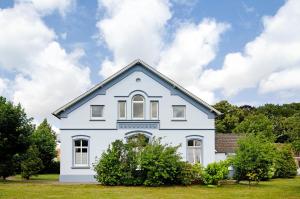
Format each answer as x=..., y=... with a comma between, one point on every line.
x=137, y=65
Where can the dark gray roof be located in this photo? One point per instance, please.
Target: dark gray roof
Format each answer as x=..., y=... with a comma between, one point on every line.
x=226, y=142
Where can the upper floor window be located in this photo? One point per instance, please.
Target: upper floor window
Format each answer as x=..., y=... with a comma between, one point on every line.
x=179, y=112
x=194, y=153
x=154, y=110
x=138, y=107
x=81, y=152
x=97, y=111
x=122, y=109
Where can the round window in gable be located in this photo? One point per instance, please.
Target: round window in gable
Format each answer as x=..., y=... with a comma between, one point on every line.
x=138, y=79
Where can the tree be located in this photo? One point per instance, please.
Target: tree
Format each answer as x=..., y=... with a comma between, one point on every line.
x=15, y=131
x=291, y=130
x=31, y=164
x=45, y=139
x=257, y=125
x=231, y=116
x=254, y=159
x=285, y=164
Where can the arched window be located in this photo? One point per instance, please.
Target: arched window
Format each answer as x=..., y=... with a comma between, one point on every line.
x=194, y=151
x=138, y=107
x=138, y=139
x=81, y=156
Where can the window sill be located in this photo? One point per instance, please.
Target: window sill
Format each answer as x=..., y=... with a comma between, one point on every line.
x=178, y=120
x=95, y=119
x=80, y=167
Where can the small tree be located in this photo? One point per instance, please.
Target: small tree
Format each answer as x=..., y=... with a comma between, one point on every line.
x=285, y=164
x=31, y=164
x=45, y=140
x=254, y=159
x=216, y=171
x=15, y=131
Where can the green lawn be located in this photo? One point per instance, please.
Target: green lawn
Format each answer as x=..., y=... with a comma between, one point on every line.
x=46, y=186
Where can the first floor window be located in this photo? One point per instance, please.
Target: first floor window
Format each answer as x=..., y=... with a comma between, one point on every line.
x=138, y=107
x=81, y=152
x=154, y=110
x=194, y=153
x=97, y=111
x=179, y=112
x=122, y=109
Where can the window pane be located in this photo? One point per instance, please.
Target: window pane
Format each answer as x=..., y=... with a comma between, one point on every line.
x=138, y=98
x=84, y=158
x=138, y=110
x=77, y=150
x=77, y=158
x=190, y=142
x=197, y=143
x=197, y=152
x=77, y=142
x=84, y=143
x=178, y=111
x=154, y=109
x=97, y=111
x=190, y=155
x=84, y=150
x=122, y=109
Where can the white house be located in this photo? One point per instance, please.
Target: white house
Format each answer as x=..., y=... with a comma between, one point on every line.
x=136, y=100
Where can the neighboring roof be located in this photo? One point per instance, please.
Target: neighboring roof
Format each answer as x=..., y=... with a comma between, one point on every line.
x=226, y=142
x=132, y=64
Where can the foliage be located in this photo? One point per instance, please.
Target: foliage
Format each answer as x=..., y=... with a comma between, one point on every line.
x=31, y=164
x=137, y=163
x=231, y=116
x=254, y=159
x=291, y=129
x=45, y=139
x=285, y=165
x=118, y=165
x=257, y=125
x=214, y=172
x=15, y=131
x=160, y=164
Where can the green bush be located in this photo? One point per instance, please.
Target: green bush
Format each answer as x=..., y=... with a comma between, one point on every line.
x=160, y=164
x=118, y=165
x=215, y=172
x=31, y=164
x=285, y=165
x=254, y=159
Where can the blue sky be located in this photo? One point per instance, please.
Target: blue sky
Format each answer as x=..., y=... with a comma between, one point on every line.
x=234, y=47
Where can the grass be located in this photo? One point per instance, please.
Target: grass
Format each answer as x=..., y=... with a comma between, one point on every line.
x=46, y=186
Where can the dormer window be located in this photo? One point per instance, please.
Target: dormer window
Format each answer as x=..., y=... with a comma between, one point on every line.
x=138, y=107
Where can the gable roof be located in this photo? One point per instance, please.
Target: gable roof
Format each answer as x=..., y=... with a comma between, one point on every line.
x=226, y=142
x=123, y=70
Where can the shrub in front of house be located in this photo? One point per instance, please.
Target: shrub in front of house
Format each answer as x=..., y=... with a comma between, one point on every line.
x=153, y=164
x=215, y=172
x=254, y=159
x=285, y=165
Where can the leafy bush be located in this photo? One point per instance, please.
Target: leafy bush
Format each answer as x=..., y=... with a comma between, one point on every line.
x=31, y=164
x=118, y=165
x=285, y=165
x=160, y=164
x=254, y=159
x=215, y=172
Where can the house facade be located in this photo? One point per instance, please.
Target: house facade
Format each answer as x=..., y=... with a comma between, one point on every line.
x=136, y=100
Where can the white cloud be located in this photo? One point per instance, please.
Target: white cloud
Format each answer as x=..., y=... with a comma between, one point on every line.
x=3, y=86
x=132, y=29
x=276, y=49
x=194, y=46
x=286, y=80
x=46, y=7
x=47, y=76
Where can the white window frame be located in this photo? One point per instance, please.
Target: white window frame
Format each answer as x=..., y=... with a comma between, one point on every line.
x=184, y=112
x=119, y=103
x=139, y=102
x=157, y=109
x=91, y=114
x=194, y=149
x=81, y=138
